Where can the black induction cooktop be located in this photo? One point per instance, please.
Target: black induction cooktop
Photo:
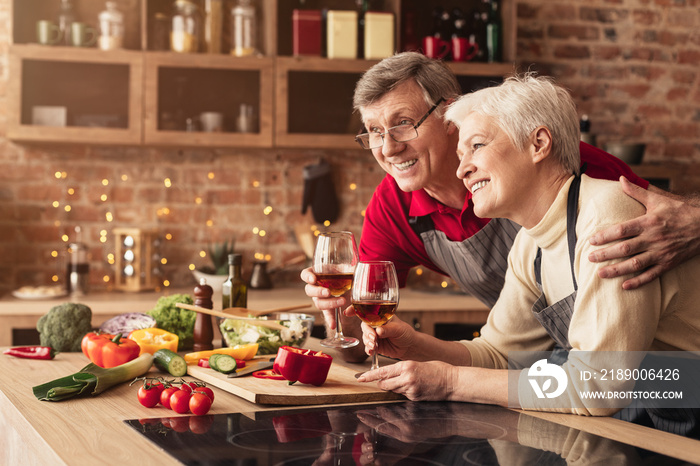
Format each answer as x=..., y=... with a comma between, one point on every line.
x=407, y=433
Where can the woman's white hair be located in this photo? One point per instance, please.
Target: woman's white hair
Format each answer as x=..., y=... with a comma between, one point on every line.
x=521, y=104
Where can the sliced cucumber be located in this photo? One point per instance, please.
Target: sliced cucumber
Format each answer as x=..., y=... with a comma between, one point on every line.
x=212, y=361
x=223, y=363
x=170, y=362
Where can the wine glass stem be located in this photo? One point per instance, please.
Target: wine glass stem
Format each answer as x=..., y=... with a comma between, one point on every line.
x=375, y=360
x=338, y=325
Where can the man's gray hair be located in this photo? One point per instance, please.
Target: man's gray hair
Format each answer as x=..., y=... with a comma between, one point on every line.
x=434, y=78
x=521, y=104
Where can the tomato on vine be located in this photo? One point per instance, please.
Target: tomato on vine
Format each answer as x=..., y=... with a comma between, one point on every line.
x=199, y=403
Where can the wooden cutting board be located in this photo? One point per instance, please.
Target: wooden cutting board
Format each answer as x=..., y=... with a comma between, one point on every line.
x=340, y=387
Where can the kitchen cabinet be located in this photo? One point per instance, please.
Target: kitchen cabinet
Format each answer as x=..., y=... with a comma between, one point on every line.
x=139, y=95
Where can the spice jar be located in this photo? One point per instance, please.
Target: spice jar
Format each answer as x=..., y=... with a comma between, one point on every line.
x=111, y=28
x=213, y=25
x=243, y=29
x=184, y=35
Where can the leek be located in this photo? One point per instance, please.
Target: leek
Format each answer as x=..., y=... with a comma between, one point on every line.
x=92, y=379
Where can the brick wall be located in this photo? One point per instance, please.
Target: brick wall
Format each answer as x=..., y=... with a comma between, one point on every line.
x=632, y=65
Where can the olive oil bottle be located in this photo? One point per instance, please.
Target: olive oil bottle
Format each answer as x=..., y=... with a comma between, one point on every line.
x=234, y=290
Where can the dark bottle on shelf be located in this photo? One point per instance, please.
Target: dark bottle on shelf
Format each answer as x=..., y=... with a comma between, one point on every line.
x=493, y=33
x=234, y=290
x=479, y=17
x=362, y=7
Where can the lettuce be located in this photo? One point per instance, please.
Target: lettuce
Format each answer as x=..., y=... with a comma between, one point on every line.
x=175, y=320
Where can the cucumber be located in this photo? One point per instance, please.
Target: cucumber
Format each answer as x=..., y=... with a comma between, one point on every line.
x=223, y=363
x=212, y=361
x=170, y=362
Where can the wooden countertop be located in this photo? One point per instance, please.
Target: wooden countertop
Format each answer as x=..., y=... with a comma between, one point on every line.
x=85, y=430
x=24, y=313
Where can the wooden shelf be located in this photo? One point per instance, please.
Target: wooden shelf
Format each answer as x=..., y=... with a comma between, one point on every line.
x=115, y=92
x=214, y=83
x=130, y=96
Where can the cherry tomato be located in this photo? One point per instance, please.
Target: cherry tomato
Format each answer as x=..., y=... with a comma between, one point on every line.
x=268, y=374
x=166, y=394
x=200, y=424
x=207, y=391
x=149, y=396
x=179, y=401
x=189, y=386
x=200, y=403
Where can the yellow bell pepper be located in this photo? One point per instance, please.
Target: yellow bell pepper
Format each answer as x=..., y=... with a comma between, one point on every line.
x=244, y=352
x=151, y=340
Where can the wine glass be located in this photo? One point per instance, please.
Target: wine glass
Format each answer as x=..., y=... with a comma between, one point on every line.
x=375, y=295
x=335, y=259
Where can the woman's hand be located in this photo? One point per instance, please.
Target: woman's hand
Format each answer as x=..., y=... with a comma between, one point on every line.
x=666, y=236
x=418, y=381
x=392, y=339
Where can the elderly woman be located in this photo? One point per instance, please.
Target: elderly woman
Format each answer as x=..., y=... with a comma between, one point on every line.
x=518, y=149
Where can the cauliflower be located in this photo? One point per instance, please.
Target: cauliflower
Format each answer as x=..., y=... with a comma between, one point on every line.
x=64, y=326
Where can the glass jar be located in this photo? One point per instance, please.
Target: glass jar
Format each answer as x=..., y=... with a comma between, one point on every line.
x=66, y=17
x=111, y=28
x=186, y=25
x=243, y=29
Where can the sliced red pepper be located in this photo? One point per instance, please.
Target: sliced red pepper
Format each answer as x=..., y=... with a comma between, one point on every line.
x=32, y=352
x=268, y=374
x=305, y=366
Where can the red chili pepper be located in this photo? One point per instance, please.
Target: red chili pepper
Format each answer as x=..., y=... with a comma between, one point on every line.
x=32, y=352
x=305, y=366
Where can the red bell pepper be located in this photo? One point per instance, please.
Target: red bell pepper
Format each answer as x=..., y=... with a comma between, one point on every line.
x=32, y=352
x=107, y=350
x=305, y=366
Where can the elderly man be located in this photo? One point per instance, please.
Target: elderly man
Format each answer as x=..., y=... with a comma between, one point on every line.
x=421, y=213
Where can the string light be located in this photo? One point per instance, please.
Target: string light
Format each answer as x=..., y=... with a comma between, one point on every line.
x=67, y=208
x=105, y=182
x=109, y=217
x=353, y=186
x=210, y=175
x=54, y=278
x=167, y=182
x=168, y=236
x=125, y=177
x=191, y=267
x=163, y=260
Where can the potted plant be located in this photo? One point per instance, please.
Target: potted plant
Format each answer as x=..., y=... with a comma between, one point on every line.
x=217, y=272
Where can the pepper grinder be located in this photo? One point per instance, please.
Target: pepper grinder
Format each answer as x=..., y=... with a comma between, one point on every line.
x=78, y=268
x=203, y=328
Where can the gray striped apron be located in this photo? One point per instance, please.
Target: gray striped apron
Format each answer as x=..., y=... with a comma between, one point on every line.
x=556, y=319
x=479, y=263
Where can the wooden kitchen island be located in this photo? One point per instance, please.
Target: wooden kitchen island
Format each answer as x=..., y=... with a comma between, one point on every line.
x=91, y=429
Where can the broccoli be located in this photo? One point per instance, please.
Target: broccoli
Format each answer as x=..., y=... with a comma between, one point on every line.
x=64, y=326
x=175, y=320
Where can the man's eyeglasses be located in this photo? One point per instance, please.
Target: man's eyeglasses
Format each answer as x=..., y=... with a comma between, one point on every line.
x=400, y=133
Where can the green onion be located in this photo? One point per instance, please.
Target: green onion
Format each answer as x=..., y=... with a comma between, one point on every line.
x=92, y=379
